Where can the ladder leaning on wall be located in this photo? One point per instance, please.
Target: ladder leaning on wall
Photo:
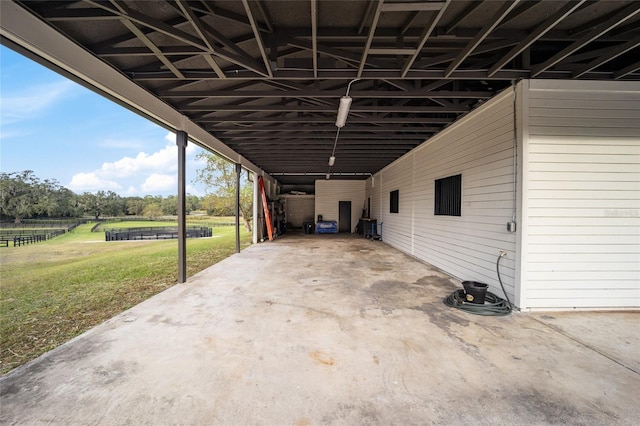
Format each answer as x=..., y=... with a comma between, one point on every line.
x=265, y=207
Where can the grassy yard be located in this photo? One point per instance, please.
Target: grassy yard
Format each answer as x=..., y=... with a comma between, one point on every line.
x=55, y=290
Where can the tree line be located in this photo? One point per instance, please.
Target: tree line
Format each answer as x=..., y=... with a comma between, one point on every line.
x=23, y=195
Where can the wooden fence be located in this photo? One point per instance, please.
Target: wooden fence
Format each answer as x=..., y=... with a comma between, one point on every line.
x=155, y=233
x=21, y=240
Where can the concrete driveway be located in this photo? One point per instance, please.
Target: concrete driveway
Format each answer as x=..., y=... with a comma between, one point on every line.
x=330, y=330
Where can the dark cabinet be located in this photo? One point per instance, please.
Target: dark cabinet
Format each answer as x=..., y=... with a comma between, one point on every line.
x=367, y=227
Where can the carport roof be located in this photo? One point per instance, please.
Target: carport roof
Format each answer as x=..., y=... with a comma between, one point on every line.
x=265, y=77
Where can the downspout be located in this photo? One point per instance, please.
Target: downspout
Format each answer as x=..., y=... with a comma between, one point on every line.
x=511, y=226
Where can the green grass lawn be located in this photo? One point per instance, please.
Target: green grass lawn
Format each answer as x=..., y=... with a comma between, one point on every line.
x=55, y=290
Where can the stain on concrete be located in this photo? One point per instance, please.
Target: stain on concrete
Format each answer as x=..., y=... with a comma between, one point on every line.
x=365, y=412
x=28, y=382
x=381, y=268
x=113, y=372
x=452, y=323
x=70, y=352
x=436, y=282
x=163, y=319
x=322, y=358
x=386, y=311
x=546, y=407
x=440, y=317
x=391, y=294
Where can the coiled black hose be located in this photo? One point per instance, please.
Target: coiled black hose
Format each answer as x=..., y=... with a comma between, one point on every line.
x=493, y=305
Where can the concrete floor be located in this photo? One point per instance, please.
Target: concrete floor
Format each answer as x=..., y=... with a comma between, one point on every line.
x=331, y=330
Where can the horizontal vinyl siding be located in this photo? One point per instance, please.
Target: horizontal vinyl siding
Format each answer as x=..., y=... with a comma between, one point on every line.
x=480, y=147
x=583, y=180
x=396, y=227
x=330, y=192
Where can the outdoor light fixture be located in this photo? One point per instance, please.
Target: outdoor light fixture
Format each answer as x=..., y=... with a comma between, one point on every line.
x=343, y=111
x=341, y=120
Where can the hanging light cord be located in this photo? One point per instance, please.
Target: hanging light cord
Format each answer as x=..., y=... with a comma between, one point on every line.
x=335, y=142
x=350, y=83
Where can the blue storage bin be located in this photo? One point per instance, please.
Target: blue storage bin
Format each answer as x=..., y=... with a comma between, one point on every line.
x=327, y=227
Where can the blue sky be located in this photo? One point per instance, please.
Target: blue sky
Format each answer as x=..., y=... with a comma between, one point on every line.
x=63, y=131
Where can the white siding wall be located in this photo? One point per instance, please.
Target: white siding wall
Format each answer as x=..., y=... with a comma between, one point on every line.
x=374, y=190
x=581, y=240
x=396, y=227
x=480, y=147
x=330, y=192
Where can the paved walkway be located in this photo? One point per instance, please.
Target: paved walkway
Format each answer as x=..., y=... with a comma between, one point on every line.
x=330, y=330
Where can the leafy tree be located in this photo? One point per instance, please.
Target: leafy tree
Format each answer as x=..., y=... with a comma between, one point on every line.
x=193, y=202
x=148, y=199
x=215, y=206
x=17, y=193
x=135, y=206
x=66, y=203
x=219, y=175
x=90, y=204
x=23, y=195
x=112, y=203
x=169, y=205
x=152, y=211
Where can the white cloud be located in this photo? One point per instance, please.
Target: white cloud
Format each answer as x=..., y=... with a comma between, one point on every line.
x=36, y=99
x=146, y=173
x=163, y=160
x=81, y=182
x=159, y=183
x=4, y=134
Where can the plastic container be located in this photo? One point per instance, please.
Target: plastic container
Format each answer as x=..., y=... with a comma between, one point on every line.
x=475, y=292
x=308, y=228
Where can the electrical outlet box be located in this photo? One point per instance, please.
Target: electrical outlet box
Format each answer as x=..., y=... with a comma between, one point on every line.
x=511, y=226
